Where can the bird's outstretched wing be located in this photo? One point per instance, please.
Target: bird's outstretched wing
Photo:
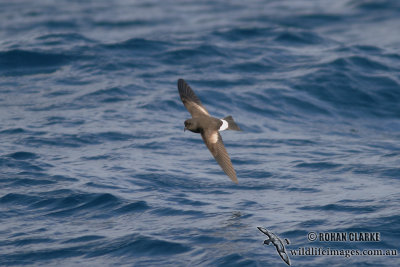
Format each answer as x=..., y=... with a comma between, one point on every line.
x=265, y=231
x=285, y=257
x=190, y=100
x=214, y=143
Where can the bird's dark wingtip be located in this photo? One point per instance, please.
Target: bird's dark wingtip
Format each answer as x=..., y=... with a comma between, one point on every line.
x=262, y=230
x=181, y=84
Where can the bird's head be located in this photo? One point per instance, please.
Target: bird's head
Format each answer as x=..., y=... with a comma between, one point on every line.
x=267, y=242
x=191, y=125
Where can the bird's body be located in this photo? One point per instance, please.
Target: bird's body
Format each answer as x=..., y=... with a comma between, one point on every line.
x=209, y=127
x=197, y=124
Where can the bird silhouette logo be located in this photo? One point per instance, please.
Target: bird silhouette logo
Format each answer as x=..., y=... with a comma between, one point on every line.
x=277, y=242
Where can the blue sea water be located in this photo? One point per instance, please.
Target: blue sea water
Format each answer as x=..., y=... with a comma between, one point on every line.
x=97, y=171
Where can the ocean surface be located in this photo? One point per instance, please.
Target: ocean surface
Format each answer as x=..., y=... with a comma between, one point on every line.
x=96, y=170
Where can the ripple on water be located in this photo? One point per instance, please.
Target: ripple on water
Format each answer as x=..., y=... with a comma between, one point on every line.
x=23, y=62
x=343, y=208
x=23, y=155
x=138, y=245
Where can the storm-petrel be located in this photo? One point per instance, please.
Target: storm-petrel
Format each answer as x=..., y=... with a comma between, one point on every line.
x=277, y=242
x=209, y=127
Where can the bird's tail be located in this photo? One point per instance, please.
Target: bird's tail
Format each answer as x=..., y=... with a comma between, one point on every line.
x=232, y=124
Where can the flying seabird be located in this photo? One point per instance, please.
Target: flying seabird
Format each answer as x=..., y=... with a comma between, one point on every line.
x=209, y=127
x=277, y=242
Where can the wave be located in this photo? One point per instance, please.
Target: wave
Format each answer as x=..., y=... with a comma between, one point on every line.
x=23, y=155
x=343, y=208
x=299, y=37
x=76, y=140
x=193, y=56
x=108, y=95
x=25, y=62
x=353, y=84
x=389, y=5
x=139, y=44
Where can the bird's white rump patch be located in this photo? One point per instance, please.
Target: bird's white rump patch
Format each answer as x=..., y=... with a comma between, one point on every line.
x=224, y=125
